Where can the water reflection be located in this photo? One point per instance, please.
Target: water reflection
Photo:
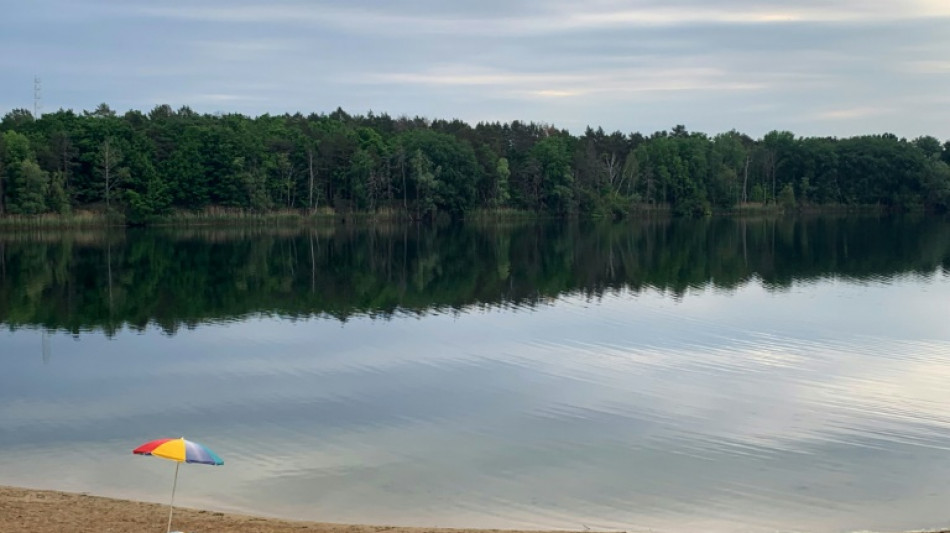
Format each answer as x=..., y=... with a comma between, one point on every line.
x=617, y=393
x=724, y=410
x=93, y=280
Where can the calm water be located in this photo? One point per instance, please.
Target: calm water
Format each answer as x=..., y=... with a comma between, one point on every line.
x=664, y=376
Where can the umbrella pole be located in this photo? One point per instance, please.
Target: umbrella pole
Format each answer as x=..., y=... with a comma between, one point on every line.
x=171, y=506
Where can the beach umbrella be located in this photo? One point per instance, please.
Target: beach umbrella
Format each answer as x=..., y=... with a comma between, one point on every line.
x=180, y=451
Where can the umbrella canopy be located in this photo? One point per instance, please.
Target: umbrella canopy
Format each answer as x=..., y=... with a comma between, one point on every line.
x=181, y=450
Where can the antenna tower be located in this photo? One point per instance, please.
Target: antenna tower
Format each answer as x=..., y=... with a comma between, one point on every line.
x=37, y=96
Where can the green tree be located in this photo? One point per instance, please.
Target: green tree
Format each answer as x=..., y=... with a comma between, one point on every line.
x=500, y=194
x=776, y=148
x=930, y=146
x=358, y=177
x=145, y=205
x=108, y=162
x=937, y=186
x=255, y=186
x=729, y=162
x=17, y=120
x=426, y=185
x=555, y=191
x=453, y=166
x=31, y=189
x=58, y=197
x=3, y=174
x=16, y=151
x=786, y=197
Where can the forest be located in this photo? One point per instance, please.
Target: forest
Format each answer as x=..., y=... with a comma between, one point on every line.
x=141, y=167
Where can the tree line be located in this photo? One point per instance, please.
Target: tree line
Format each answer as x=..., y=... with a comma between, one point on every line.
x=146, y=165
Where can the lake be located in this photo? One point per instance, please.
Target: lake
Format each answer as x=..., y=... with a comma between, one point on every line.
x=719, y=375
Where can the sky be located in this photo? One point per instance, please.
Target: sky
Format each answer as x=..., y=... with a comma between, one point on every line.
x=813, y=67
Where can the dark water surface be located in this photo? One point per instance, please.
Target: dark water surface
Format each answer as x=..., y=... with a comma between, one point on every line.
x=719, y=375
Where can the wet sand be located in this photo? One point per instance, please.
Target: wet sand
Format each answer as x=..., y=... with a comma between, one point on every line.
x=42, y=511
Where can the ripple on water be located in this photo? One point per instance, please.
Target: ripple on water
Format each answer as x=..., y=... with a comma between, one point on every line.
x=627, y=410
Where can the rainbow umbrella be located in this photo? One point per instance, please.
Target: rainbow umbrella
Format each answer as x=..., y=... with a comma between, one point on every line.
x=180, y=451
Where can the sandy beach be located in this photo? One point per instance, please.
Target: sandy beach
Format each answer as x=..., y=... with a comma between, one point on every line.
x=46, y=511
x=43, y=511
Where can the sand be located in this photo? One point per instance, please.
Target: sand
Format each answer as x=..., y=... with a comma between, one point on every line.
x=43, y=511
x=46, y=511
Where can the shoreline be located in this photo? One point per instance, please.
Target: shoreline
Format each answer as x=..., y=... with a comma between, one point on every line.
x=217, y=216
x=24, y=510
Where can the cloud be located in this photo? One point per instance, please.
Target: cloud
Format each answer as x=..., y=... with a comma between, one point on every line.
x=625, y=65
x=554, y=93
x=928, y=67
x=850, y=113
x=245, y=47
x=602, y=82
x=214, y=97
x=543, y=17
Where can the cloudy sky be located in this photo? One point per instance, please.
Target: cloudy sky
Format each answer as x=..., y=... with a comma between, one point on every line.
x=815, y=67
